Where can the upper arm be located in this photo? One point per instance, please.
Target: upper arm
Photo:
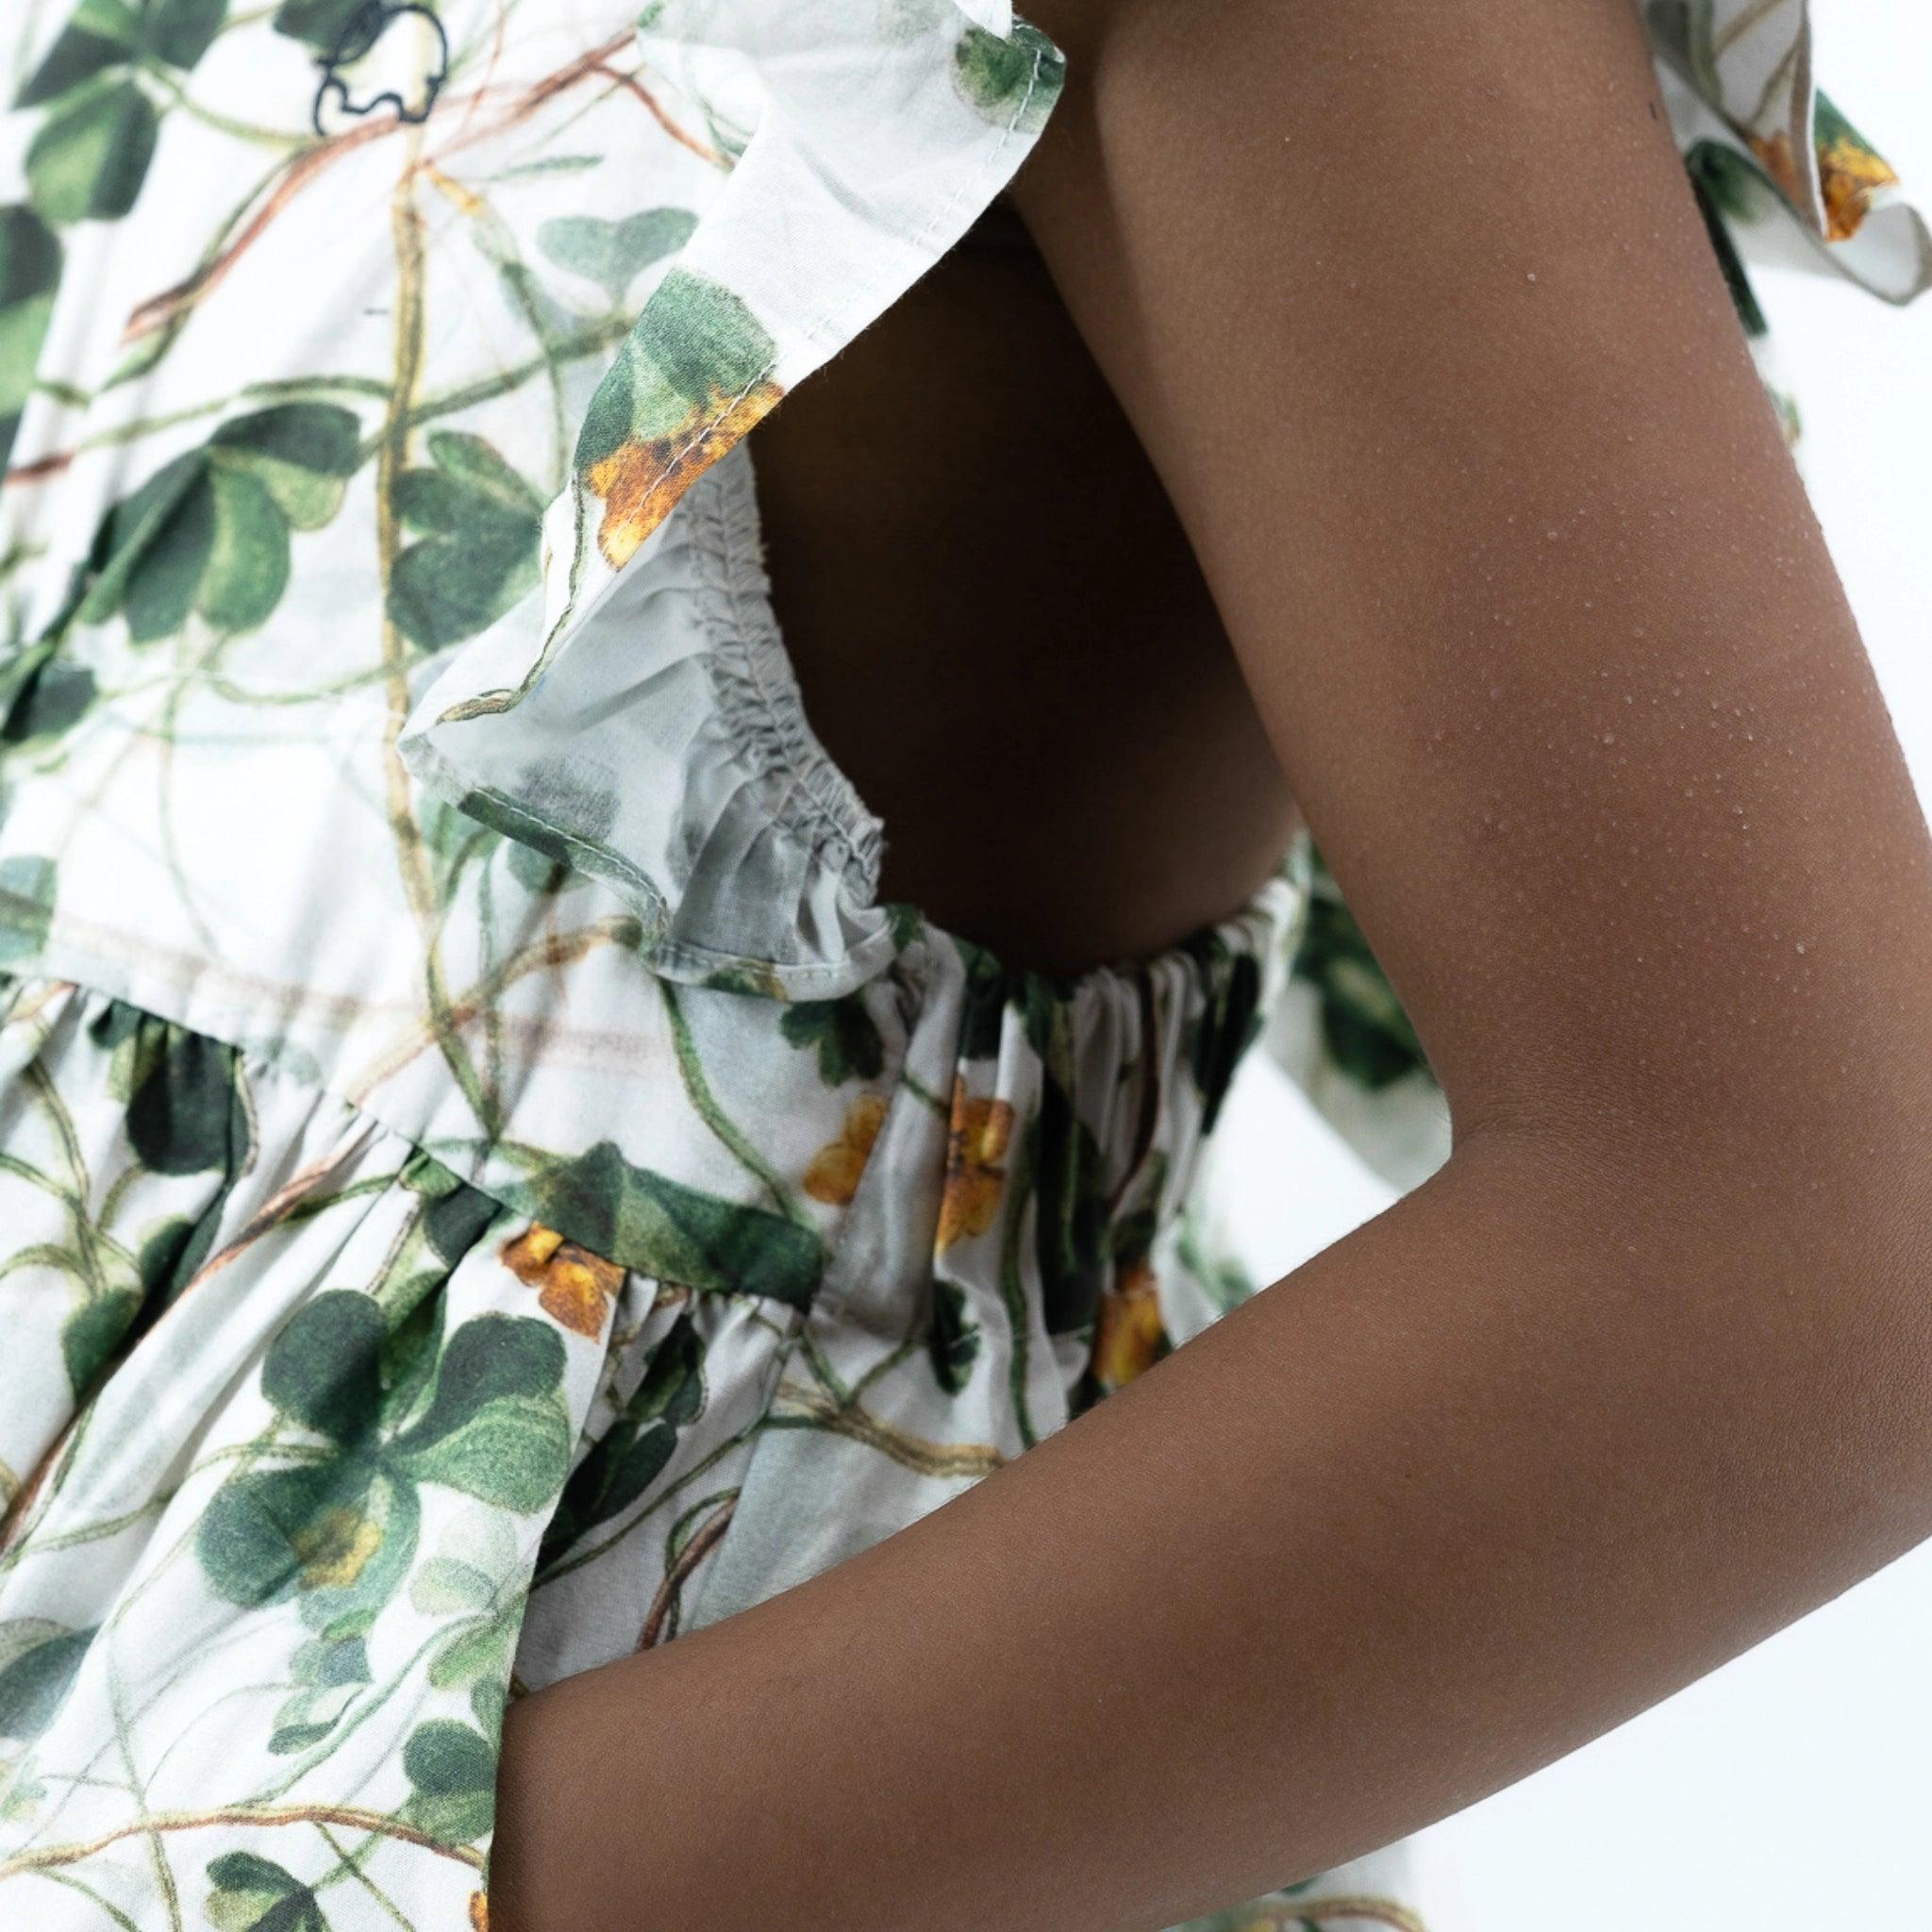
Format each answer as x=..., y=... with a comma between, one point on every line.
x=1414, y=309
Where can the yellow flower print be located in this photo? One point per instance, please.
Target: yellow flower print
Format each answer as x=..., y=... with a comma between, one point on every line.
x=1850, y=174
x=834, y=1174
x=334, y=1548
x=479, y=1912
x=1128, y=1337
x=576, y=1287
x=975, y=1143
x=641, y=479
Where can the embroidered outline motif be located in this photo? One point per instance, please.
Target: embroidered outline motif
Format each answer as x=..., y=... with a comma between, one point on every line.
x=359, y=33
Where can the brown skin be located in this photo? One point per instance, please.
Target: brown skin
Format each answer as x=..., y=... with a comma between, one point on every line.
x=1641, y=1374
x=959, y=500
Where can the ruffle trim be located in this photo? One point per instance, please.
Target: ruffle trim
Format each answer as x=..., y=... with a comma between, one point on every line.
x=757, y=689
x=1795, y=181
x=642, y=721
x=675, y=760
x=669, y=754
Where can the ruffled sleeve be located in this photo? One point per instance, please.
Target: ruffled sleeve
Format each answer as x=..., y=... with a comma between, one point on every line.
x=830, y=151
x=1783, y=178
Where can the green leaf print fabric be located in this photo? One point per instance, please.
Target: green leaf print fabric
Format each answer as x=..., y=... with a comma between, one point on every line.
x=486, y=1184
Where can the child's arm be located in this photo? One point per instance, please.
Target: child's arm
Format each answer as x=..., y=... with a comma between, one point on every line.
x=1411, y=304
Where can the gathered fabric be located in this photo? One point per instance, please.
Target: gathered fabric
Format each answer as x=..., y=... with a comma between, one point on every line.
x=486, y=1183
x=321, y=1450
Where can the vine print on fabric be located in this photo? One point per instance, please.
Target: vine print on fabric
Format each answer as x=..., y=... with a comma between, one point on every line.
x=486, y=1184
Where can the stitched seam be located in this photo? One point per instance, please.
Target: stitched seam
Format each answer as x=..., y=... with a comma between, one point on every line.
x=757, y=686
x=862, y=840
x=751, y=654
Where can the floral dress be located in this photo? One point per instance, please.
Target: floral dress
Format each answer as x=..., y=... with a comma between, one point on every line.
x=486, y=1184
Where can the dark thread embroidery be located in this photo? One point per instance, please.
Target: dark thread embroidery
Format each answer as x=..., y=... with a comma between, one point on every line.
x=359, y=38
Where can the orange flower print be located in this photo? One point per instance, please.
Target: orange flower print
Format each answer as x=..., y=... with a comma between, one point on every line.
x=834, y=1174
x=694, y=375
x=1850, y=174
x=479, y=1912
x=642, y=478
x=975, y=1143
x=1128, y=1337
x=576, y=1287
x=1773, y=152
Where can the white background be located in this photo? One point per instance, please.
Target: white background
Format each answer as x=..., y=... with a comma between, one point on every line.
x=1791, y=1791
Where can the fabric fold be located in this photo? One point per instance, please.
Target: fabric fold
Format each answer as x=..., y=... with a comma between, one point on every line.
x=674, y=759
x=1762, y=135
x=638, y=719
x=851, y=146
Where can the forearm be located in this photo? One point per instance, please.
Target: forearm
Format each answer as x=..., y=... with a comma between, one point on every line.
x=1541, y=1443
